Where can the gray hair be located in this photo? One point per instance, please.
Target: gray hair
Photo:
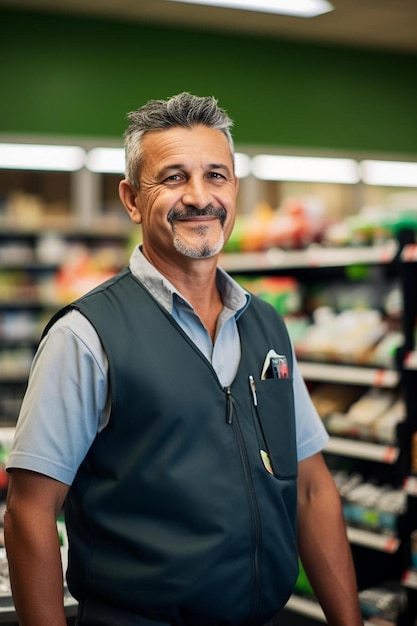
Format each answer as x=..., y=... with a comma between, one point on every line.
x=183, y=110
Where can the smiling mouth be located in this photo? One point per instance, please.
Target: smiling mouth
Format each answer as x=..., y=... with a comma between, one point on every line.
x=197, y=218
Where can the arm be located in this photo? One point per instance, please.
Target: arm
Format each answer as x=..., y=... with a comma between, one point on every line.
x=33, y=503
x=323, y=545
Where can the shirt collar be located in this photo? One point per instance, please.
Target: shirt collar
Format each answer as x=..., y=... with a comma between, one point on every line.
x=233, y=295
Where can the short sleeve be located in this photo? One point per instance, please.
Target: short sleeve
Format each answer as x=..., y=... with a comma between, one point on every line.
x=65, y=401
x=311, y=433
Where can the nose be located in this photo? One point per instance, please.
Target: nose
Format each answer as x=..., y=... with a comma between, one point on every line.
x=196, y=193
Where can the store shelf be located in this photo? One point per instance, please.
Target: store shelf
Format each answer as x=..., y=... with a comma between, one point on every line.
x=31, y=266
x=349, y=374
x=114, y=229
x=8, y=613
x=409, y=253
x=409, y=579
x=24, y=341
x=309, y=608
x=372, y=540
x=410, y=485
x=343, y=373
x=410, y=360
x=314, y=256
x=29, y=303
x=15, y=378
x=362, y=450
x=44, y=265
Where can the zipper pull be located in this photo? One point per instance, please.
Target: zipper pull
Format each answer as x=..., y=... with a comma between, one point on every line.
x=229, y=405
x=253, y=390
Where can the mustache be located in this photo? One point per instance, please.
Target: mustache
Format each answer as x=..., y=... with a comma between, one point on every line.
x=191, y=211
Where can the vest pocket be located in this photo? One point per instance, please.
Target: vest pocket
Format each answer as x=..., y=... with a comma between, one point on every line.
x=276, y=417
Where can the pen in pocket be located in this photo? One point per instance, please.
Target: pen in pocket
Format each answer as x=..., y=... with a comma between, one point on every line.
x=253, y=390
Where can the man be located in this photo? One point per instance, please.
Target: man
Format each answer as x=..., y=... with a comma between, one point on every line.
x=190, y=469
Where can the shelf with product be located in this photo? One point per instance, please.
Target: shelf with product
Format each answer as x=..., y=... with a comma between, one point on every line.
x=409, y=277
x=42, y=267
x=311, y=611
x=409, y=579
x=62, y=231
x=51, y=251
x=357, y=383
x=52, y=210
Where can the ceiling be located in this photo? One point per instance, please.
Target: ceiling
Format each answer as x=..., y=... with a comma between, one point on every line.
x=379, y=24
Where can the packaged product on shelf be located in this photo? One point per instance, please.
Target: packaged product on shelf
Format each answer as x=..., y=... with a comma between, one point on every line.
x=15, y=363
x=18, y=325
x=297, y=325
x=345, y=482
x=372, y=507
x=385, y=602
x=338, y=425
x=373, y=416
x=5, y=589
x=385, y=351
x=16, y=253
x=16, y=286
x=384, y=429
x=283, y=292
x=346, y=337
x=371, y=405
x=78, y=274
x=250, y=231
x=359, y=506
x=374, y=223
x=391, y=505
x=51, y=248
x=24, y=210
x=334, y=398
x=295, y=224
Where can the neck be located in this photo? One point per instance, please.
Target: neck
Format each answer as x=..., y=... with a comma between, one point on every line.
x=195, y=280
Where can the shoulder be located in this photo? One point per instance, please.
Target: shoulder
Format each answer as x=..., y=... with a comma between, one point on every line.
x=72, y=322
x=73, y=328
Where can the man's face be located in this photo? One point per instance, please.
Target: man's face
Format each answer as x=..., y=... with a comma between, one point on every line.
x=187, y=192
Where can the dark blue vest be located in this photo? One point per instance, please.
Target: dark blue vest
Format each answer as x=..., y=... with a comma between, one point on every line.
x=173, y=514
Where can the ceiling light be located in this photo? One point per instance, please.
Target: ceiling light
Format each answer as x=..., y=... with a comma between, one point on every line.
x=299, y=8
x=41, y=157
x=389, y=173
x=307, y=169
x=242, y=164
x=106, y=160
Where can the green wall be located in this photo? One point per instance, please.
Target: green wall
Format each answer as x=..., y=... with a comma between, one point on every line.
x=63, y=75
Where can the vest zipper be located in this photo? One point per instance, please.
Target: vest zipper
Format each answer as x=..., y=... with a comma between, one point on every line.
x=253, y=503
x=229, y=405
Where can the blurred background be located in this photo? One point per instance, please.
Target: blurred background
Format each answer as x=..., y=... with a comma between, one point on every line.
x=326, y=138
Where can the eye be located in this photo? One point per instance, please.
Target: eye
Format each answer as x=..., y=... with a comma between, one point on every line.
x=173, y=179
x=216, y=176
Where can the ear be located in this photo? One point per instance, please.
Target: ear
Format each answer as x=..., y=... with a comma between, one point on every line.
x=236, y=184
x=129, y=197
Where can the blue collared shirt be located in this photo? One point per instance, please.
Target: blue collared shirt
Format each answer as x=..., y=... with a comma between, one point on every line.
x=68, y=400
x=224, y=353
